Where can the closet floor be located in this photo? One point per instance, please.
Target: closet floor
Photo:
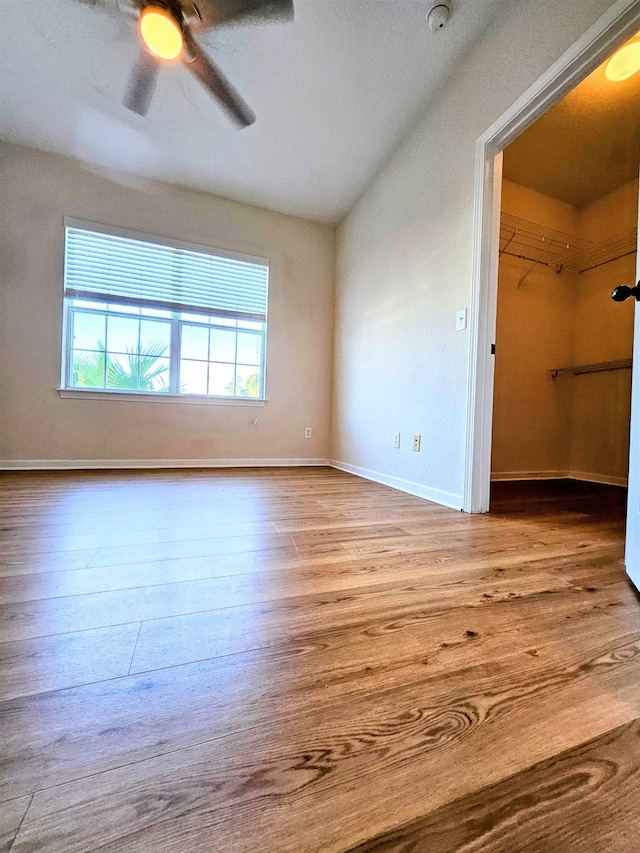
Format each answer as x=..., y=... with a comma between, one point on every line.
x=296, y=660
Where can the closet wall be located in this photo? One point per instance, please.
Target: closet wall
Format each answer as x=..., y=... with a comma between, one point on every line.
x=531, y=414
x=570, y=425
x=603, y=330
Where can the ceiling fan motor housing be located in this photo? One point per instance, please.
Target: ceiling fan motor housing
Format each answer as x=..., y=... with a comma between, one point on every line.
x=172, y=6
x=184, y=12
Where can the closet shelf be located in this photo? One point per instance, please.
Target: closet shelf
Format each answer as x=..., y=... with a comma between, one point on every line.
x=531, y=241
x=537, y=244
x=603, y=253
x=597, y=367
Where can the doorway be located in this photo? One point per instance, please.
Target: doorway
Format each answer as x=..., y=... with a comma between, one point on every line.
x=563, y=348
x=620, y=24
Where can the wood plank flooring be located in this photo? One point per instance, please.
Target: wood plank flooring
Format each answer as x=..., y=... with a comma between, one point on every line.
x=298, y=660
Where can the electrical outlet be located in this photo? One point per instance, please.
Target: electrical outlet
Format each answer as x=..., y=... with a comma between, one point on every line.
x=416, y=443
x=461, y=320
x=396, y=440
x=307, y=432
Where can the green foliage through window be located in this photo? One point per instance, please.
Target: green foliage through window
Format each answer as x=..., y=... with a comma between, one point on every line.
x=250, y=388
x=146, y=371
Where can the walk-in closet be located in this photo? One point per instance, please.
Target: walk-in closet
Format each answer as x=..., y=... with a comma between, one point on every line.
x=568, y=236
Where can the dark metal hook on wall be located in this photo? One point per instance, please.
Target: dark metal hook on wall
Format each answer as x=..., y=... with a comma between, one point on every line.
x=623, y=291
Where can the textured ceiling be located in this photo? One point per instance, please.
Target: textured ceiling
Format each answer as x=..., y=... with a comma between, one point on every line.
x=333, y=92
x=585, y=146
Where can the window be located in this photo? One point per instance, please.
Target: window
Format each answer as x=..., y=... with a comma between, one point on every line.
x=150, y=317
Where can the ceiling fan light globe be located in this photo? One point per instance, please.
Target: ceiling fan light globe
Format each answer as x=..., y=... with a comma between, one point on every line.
x=624, y=63
x=161, y=33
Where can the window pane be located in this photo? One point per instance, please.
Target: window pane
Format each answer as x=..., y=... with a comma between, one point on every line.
x=195, y=318
x=221, y=379
x=223, y=321
x=194, y=342
x=88, y=331
x=250, y=324
x=122, y=334
x=87, y=303
x=193, y=377
x=248, y=348
x=247, y=381
x=155, y=377
x=87, y=369
x=155, y=337
x=125, y=309
x=122, y=372
x=223, y=345
x=155, y=312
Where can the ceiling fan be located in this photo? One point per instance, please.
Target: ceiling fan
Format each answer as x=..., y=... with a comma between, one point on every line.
x=165, y=31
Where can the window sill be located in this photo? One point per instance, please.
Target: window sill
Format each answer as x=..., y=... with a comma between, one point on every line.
x=188, y=399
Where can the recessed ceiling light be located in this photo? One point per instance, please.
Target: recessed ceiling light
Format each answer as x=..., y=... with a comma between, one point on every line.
x=625, y=62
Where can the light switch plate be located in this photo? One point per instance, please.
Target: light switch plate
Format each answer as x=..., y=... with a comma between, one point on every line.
x=461, y=320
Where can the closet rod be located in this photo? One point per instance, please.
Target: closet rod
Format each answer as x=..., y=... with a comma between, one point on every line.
x=597, y=367
x=527, y=258
x=608, y=261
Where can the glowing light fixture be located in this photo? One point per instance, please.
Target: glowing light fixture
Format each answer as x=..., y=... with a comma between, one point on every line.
x=625, y=62
x=161, y=32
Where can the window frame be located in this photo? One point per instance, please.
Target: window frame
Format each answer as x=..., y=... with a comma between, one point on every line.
x=177, y=320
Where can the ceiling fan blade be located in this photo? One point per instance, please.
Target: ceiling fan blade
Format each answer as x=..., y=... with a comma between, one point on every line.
x=199, y=64
x=141, y=84
x=217, y=12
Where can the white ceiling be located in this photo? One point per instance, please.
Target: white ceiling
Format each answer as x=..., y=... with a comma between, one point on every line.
x=334, y=91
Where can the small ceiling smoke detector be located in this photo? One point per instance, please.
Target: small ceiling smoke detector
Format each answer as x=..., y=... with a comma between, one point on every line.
x=438, y=16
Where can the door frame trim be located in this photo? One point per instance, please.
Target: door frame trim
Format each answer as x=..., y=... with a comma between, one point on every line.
x=612, y=29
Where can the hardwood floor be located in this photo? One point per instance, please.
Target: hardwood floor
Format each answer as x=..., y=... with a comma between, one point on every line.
x=298, y=660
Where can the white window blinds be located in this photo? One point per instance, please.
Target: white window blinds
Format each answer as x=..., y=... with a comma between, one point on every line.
x=121, y=269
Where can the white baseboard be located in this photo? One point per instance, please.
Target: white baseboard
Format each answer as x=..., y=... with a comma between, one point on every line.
x=604, y=479
x=437, y=496
x=103, y=464
x=505, y=476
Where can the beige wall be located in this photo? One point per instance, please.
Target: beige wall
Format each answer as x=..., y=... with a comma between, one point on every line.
x=405, y=262
x=37, y=191
x=570, y=425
